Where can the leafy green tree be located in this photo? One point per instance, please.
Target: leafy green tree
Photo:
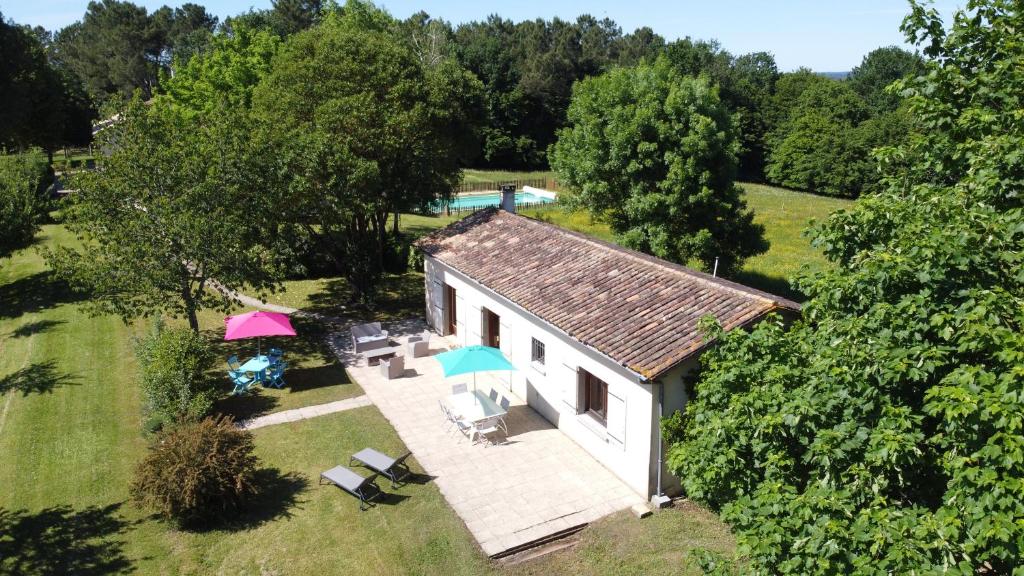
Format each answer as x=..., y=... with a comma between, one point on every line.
x=745, y=85
x=173, y=364
x=44, y=104
x=880, y=68
x=225, y=74
x=884, y=432
x=291, y=16
x=179, y=205
x=815, y=148
x=654, y=152
x=362, y=130
x=182, y=32
x=24, y=179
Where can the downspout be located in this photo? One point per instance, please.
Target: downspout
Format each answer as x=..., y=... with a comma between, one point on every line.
x=661, y=416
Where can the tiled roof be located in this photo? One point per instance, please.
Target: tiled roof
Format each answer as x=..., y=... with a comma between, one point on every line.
x=640, y=311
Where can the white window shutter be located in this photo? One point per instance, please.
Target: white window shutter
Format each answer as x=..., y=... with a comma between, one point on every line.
x=617, y=418
x=569, y=380
x=436, y=306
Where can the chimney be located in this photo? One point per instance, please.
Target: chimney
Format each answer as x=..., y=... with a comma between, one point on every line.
x=508, y=198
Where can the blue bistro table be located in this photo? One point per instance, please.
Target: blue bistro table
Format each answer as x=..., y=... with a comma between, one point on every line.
x=257, y=365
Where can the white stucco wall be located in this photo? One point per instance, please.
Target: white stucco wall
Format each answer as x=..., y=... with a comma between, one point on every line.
x=624, y=446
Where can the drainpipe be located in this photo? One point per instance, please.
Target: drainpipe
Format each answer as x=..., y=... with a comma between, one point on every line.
x=659, y=500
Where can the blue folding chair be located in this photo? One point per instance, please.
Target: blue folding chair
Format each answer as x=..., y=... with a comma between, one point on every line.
x=233, y=364
x=275, y=375
x=275, y=355
x=241, y=381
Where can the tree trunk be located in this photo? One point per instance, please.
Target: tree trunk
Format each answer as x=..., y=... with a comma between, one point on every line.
x=190, y=303
x=395, y=228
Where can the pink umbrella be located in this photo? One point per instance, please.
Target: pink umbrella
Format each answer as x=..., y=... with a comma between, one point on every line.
x=256, y=325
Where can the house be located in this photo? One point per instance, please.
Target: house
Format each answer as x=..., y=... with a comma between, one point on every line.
x=601, y=336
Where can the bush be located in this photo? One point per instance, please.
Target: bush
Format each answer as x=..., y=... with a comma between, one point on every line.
x=173, y=363
x=198, y=472
x=24, y=179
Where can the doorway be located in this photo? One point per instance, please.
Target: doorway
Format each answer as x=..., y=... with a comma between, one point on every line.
x=492, y=329
x=451, y=314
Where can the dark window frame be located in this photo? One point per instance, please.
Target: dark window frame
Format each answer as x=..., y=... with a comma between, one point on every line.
x=536, y=345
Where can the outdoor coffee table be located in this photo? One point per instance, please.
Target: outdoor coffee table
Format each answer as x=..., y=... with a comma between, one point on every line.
x=373, y=357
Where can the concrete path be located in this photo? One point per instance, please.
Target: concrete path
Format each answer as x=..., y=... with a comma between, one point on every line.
x=305, y=412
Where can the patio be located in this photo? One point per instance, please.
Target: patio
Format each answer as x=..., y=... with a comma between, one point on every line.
x=536, y=483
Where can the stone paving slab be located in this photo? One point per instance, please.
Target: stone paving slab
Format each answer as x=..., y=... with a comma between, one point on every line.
x=533, y=484
x=305, y=412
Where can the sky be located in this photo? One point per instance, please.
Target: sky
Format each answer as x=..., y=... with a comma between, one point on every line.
x=824, y=35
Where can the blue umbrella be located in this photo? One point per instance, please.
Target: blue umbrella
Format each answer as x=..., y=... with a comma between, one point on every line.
x=473, y=359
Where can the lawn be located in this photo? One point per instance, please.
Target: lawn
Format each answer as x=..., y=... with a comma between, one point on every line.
x=71, y=432
x=471, y=175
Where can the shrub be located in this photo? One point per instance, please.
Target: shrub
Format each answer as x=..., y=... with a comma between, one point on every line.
x=198, y=472
x=24, y=179
x=173, y=362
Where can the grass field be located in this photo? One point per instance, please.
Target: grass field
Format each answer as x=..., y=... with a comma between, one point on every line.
x=71, y=433
x=500, y=175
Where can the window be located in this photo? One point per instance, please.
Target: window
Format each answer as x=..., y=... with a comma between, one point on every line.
x=537, y=352
x=595, y=397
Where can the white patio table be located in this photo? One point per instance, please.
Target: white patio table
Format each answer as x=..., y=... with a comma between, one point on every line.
x=474, y=406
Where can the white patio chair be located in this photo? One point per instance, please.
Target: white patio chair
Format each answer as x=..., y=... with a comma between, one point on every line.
x=459, y=388
x=483, y=428
x=493, y=395
x=504, y=406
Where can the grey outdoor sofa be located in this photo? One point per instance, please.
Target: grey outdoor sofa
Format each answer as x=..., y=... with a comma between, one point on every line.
x=368, y=337
x=393, y=469
x=354, y=484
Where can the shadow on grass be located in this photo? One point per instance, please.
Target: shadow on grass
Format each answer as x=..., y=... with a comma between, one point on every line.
x=772, y=284
x=400, y=296
x=300, y=379
x=33, y=328
x=34, y=293
x=279, y=494
x=246, y=406
x=38, y=378
x=62, y=540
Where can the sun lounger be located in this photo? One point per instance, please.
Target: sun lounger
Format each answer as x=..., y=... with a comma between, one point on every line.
x=354, y=484
x=393, y=469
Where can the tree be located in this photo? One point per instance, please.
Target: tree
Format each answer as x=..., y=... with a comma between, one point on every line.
x=291, y=16
x=114, y=49
x=745, y=85
x=198, y=473
x=815, y=148
x=362, y=130
x=178, y=205
x=24, y=179
x=654, y=152
x=225, y=74
x=182, y=32
x=880, y=68
x=44, y=104
x=883, y=432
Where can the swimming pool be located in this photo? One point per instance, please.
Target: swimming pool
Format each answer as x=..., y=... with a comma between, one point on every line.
x=474, y=201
